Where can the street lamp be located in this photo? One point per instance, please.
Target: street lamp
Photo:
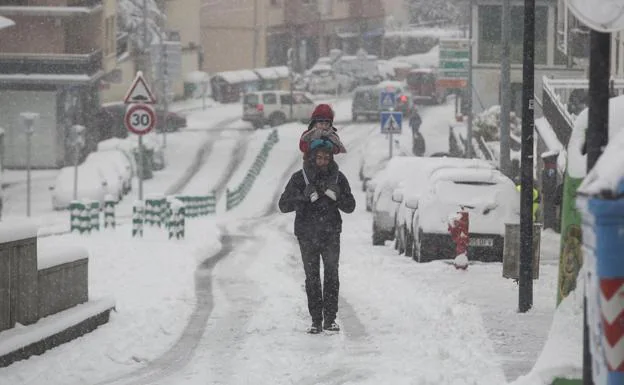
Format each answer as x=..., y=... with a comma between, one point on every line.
x=28, y=118
x=77, y=141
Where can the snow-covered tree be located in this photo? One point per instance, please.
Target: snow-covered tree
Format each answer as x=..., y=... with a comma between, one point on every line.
x=450, y=11
x=487, y=123
x=130, y=16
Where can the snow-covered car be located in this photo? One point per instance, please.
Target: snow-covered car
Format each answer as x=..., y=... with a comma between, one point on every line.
x=414, y=187
x=92, y=185
x=116, y=160
x=324, y=80
x=273, y=107
x=397, y=170
x=490, y=198
x=114, y=180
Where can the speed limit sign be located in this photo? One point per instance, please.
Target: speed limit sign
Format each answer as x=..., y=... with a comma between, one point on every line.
x=140, y=118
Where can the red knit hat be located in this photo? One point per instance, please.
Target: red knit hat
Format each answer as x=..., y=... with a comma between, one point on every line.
x=323, y=112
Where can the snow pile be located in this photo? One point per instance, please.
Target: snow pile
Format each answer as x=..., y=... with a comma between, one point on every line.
x=577, y=162
x=151, y=281
x=563, y=353
x=608, y=173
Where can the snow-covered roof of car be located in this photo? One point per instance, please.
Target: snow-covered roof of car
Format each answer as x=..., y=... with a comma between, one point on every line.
x=321, y=67
x=470, y=175
x=241, y=76
x=272, y=73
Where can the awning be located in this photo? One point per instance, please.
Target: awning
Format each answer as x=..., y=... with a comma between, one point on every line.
x=5, y=22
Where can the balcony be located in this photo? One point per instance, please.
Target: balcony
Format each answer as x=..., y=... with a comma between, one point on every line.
x=37, y=63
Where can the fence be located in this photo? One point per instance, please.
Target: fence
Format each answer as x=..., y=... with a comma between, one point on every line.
x=236, y=196
x=155, y=210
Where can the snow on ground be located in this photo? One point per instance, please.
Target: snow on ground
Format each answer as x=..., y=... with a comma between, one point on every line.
x=151, y=282
x=403, y=322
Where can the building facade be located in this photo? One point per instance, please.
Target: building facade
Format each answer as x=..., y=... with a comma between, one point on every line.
x=51, y=62
x=181, y=24
x=549, y=59
x=258, y=33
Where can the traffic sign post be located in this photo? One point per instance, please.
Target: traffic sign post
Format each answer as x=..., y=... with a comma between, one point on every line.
x=387, y=100
x=454, y=64
x=140, y=117
x=391, y=123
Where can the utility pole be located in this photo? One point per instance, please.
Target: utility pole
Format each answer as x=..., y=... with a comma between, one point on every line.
x=525, y=297
x=255, y=34
x=469, y=104
x=505, y=90
x=596, y=139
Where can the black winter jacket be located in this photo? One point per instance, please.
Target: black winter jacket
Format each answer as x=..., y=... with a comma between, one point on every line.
x=322, y=216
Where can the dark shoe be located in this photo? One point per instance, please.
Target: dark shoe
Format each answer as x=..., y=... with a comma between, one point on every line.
x=331, y=326
x=315, y=328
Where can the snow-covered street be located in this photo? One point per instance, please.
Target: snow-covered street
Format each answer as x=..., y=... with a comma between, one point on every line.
x=227, y=304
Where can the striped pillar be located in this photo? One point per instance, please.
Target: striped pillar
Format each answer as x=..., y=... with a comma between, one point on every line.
x=138, y=217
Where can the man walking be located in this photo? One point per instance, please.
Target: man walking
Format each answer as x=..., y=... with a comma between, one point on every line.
x=316, y=193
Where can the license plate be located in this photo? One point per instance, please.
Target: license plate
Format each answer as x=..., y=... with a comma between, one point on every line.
x=482, y=242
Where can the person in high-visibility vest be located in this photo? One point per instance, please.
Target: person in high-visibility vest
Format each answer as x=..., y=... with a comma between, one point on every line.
x=536, y=202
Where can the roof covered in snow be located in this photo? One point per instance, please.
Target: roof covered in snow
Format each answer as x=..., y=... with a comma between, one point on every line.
x=241, y=76
x=272, y=73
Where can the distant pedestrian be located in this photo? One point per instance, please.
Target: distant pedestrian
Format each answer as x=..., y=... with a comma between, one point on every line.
x=317, y=193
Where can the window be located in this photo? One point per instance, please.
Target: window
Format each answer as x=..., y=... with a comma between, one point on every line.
x=285, y=99
x=269, y=99
x=302, y=99
x=490, y=32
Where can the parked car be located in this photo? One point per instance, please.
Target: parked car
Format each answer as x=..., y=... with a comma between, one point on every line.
x=366, y=100
x=423, y=85
x=491, y=200
x=116, y=160
x=114, y=180
x=413, y=188
x=273, y=107
x=110, y=120
x=91, y=185
x=384, y=208
x=324, y=80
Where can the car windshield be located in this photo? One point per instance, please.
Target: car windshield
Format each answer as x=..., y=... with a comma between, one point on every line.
x=251, y=99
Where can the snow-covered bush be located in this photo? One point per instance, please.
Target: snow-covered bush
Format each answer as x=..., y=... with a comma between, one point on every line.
x=487, y=123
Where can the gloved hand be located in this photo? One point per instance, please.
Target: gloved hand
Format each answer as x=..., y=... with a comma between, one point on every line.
x=333, y=191
x=310, y=192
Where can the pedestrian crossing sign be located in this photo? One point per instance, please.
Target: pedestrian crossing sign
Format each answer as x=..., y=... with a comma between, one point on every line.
x=387, y=100
x=391, y=122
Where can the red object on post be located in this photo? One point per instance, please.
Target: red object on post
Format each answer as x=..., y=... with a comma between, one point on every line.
x=458, y=228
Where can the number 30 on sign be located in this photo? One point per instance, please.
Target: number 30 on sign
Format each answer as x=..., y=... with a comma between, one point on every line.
x=140, y=118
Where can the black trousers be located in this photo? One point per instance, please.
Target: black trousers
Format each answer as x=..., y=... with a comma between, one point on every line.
x=322, y=302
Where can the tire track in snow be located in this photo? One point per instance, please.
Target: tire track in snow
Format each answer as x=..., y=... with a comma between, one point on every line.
x=180, y=354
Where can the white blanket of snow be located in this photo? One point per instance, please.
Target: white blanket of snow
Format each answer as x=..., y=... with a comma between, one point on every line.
x=403, y=323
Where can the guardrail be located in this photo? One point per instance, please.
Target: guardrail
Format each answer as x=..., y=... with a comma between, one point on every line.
x=236, y=196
